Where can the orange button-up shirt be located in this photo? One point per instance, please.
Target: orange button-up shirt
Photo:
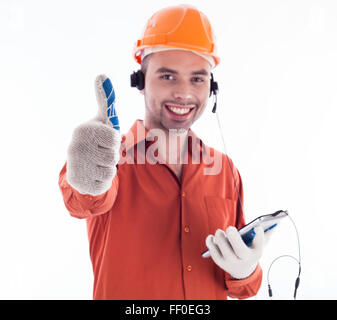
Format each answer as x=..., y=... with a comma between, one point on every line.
x=147, y=232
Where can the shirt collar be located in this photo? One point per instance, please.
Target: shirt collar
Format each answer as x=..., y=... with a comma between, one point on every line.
x=138, y=133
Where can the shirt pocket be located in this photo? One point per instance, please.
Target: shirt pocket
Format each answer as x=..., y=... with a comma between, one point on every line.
x=220, y=211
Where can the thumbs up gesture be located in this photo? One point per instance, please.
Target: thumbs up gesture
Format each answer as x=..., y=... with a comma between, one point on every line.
x=105, y=96
x=94, y=149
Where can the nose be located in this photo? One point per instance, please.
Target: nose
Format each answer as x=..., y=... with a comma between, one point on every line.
x=182, y=92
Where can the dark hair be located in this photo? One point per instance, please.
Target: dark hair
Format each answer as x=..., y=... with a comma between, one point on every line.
x=145, y=63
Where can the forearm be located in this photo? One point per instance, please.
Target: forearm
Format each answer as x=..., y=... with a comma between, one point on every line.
x=83, y=205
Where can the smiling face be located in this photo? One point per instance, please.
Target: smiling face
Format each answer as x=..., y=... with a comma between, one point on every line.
x=177, y=86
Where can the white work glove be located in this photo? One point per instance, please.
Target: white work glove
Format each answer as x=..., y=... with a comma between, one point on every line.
x=94, y=149
x=232, y=255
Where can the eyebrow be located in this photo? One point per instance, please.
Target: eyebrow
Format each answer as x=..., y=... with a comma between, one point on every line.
x=167, y=70
x=201, y=72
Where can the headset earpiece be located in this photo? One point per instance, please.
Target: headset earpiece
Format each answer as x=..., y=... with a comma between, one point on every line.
x=214, y=88
x=138, y=80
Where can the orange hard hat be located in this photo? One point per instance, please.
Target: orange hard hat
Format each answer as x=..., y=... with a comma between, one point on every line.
x=178, y=27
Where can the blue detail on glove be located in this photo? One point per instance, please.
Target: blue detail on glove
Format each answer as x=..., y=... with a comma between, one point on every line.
x=111, y=110
x=250, y=235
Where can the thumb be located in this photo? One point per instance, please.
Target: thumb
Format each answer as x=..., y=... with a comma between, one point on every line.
x=105, y=96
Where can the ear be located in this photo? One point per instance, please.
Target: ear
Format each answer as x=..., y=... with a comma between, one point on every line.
x=142, y=91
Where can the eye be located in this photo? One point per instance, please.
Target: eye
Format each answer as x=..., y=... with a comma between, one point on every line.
x=167, y=77
x=197, y=79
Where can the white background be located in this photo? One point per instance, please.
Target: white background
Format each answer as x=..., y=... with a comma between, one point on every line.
x=277, y=104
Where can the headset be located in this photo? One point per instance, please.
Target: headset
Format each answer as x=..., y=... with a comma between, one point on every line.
x=138, y=81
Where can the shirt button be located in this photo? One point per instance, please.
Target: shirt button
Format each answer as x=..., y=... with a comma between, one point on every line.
x=189, y=268
x=187, y=229
x=183, y=194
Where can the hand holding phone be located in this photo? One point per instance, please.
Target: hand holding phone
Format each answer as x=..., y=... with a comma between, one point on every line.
x=267, y=222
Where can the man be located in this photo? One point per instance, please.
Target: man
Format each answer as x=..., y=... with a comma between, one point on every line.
x=157, y=198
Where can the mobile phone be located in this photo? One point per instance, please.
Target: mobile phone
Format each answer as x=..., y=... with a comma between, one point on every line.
x=268, y=222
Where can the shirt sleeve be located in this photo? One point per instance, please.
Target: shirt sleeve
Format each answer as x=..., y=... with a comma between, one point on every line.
x=244, y=288
x=248, y=287
x=85, y=205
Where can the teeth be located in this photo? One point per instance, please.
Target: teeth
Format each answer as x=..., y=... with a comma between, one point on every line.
x=179, y=110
